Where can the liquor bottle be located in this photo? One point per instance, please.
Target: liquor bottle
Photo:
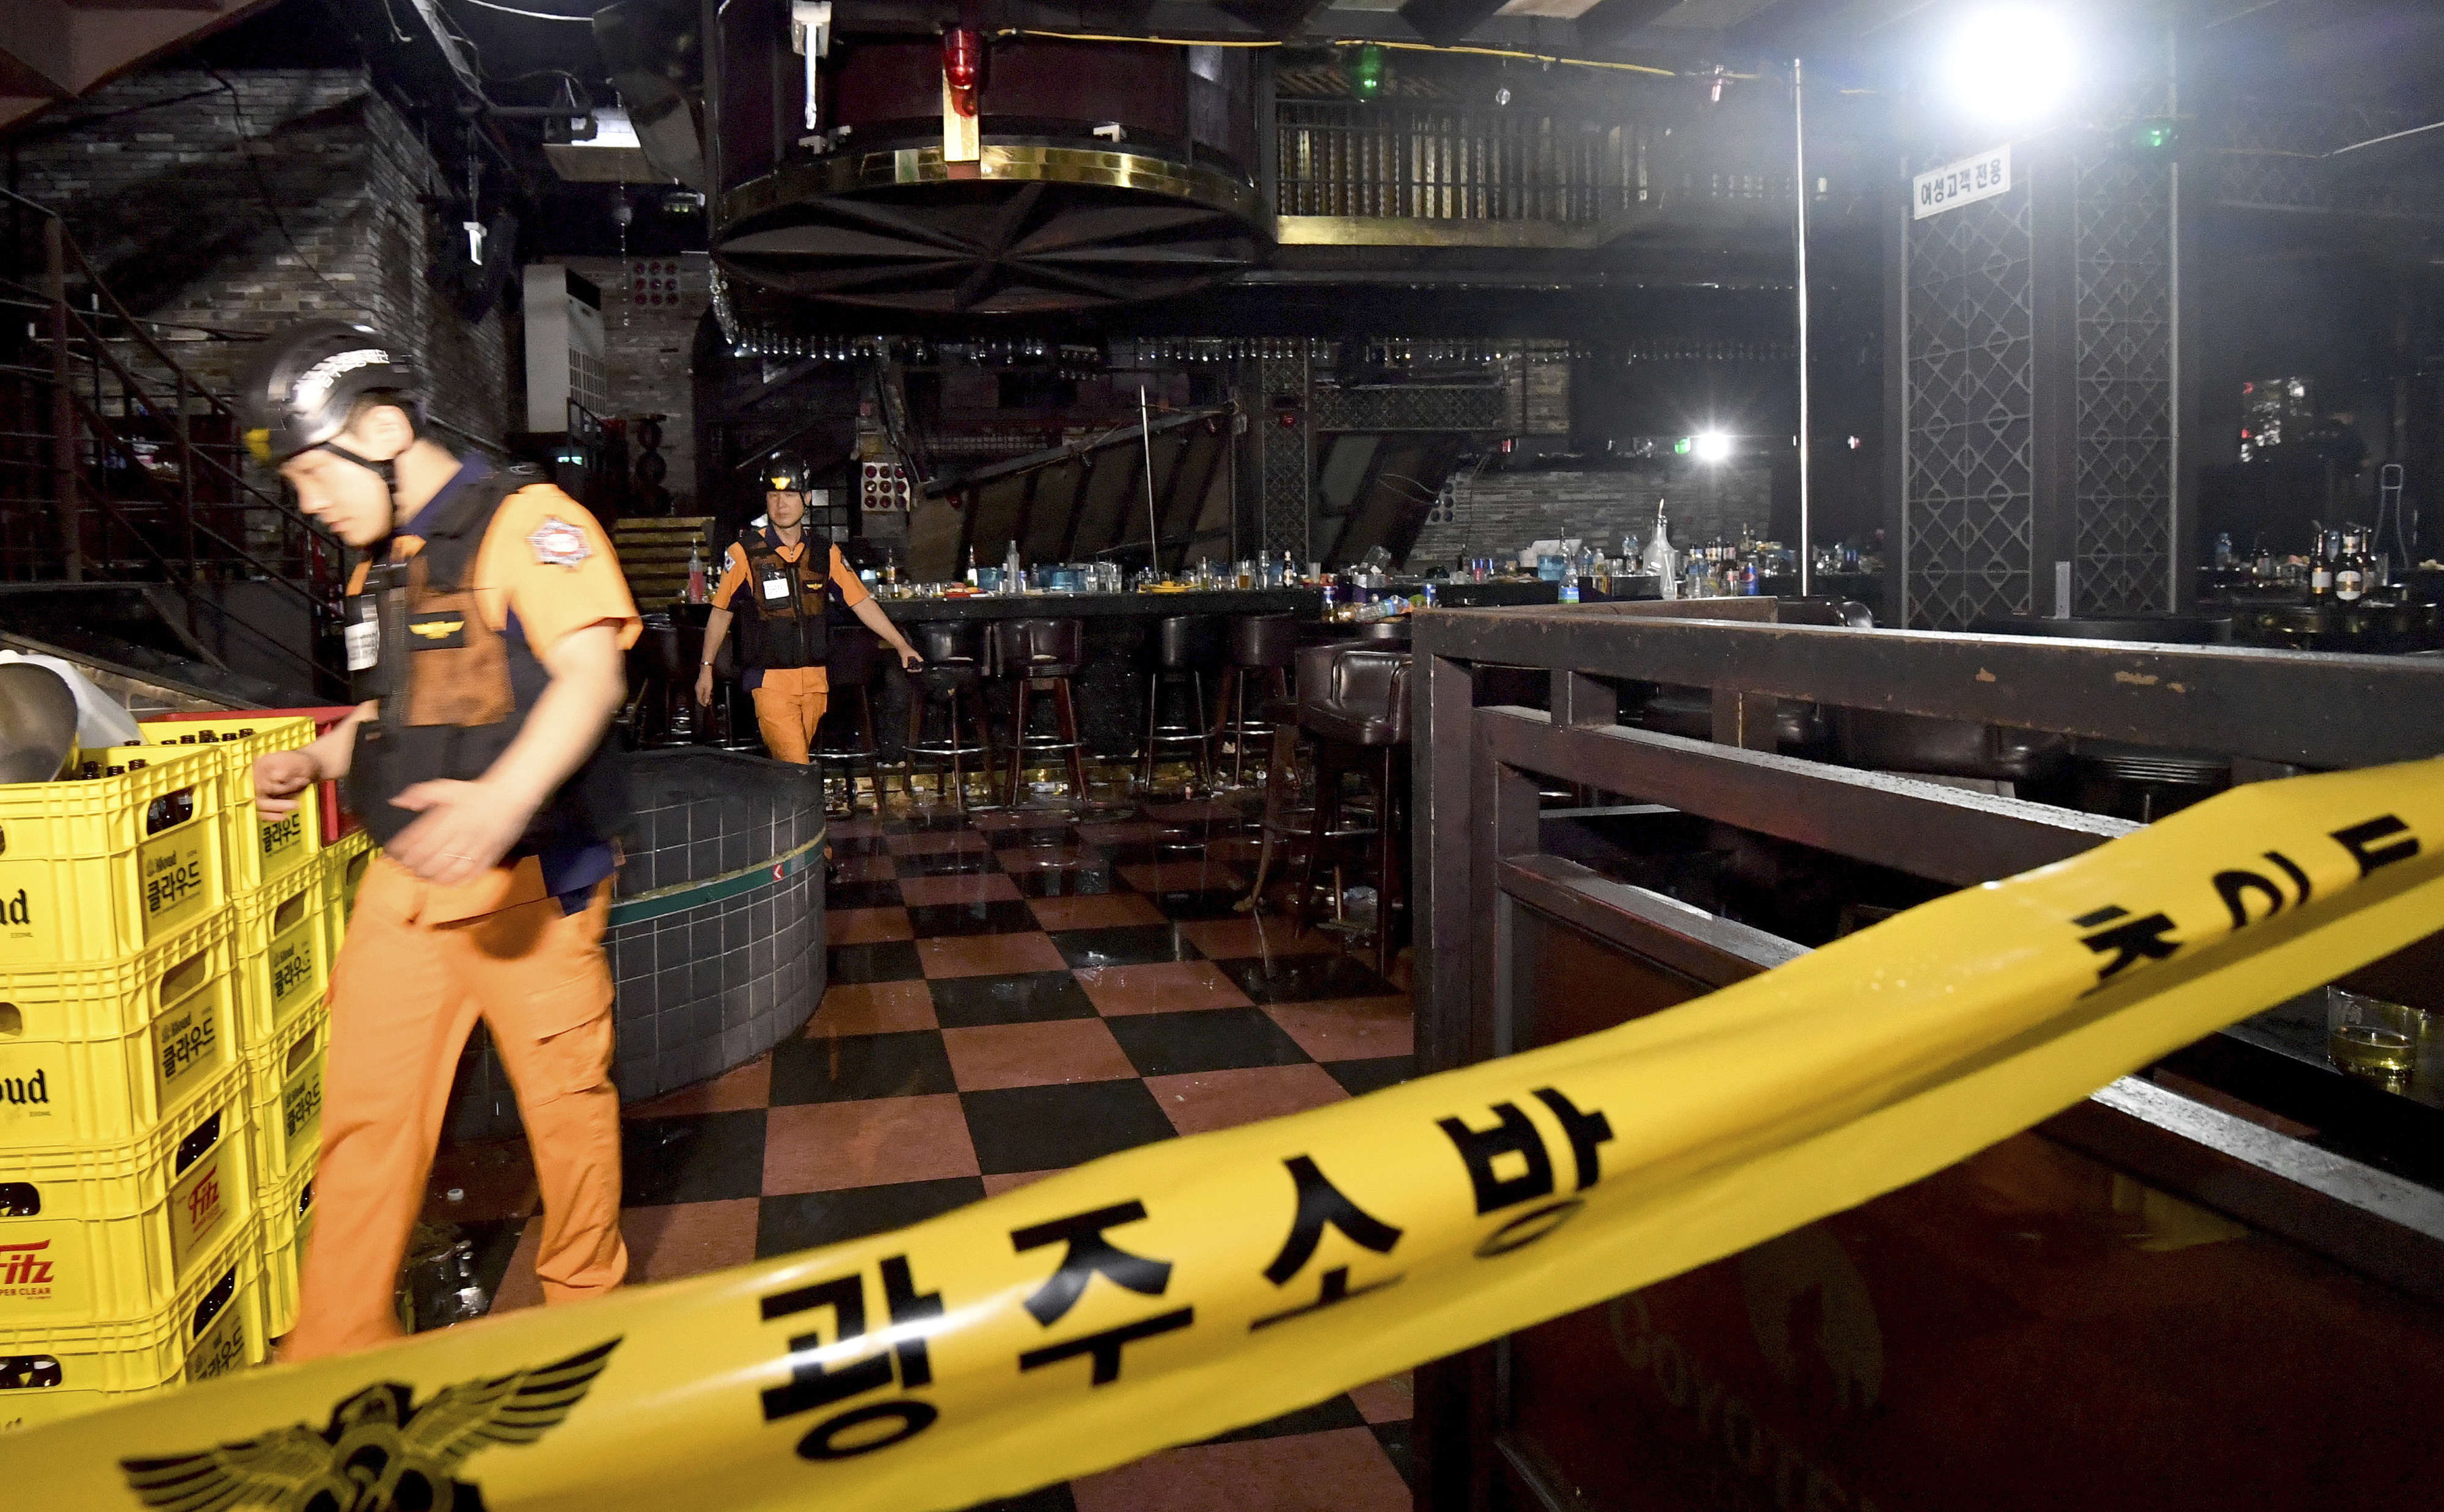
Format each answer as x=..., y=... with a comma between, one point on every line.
x=1011, y=582
x=972, y=566
x=1658, y=553
x=2350, y=569
x=2320, y=567
x=696, y=573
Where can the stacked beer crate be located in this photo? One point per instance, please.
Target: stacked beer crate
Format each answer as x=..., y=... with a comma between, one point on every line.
x=160, y=1040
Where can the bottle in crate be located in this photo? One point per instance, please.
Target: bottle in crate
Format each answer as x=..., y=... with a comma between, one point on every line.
x=110, y=1232
x=258, y=850
x=106, y=1051
x=284, y=952
x=212, y=1327
x=99, y=868
x=288, y=1221
x=286, y=1089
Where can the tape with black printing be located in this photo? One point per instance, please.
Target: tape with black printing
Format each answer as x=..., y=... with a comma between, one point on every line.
x=1178, y=1290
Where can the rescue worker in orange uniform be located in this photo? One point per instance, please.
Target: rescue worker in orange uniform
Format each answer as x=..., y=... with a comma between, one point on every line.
x=783, y=631
x=484, y=629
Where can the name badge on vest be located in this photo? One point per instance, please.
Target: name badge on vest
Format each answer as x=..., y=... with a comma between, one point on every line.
x=444, y=630
x=364, y=642
x=776, y=587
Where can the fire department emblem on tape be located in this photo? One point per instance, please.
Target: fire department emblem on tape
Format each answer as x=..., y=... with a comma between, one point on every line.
x=380, y=1453
x=558, y=544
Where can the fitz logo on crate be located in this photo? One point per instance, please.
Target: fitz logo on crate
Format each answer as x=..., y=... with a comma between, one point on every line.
x=25, y=1269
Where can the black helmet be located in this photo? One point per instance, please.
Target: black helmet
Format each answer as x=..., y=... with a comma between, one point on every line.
x=787, y=472
x=298, y=392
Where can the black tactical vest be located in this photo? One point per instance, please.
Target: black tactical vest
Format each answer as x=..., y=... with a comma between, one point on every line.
x=454, y=692
x=787, y=619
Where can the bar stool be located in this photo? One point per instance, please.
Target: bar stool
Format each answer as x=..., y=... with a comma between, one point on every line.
x=1289, y=809
x=953, y=670
x=1180, y=650
x=848, y=672
x=1263, y=648
x=1040, y=656
x=1360, y=727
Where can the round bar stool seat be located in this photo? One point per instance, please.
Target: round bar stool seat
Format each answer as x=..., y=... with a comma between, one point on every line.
x=1041, y=656
x=1178, y=652
x=952, y=678
x=1263, y=649
x=1357, y=714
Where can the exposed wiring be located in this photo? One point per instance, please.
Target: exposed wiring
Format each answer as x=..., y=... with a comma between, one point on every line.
x=530, y=15
x=270, y=202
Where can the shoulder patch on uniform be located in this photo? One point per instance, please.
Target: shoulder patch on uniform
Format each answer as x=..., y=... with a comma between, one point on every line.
x=559, y=544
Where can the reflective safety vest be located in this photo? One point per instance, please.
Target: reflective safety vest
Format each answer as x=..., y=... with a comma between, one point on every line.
x=452, y=691
x=787, y=621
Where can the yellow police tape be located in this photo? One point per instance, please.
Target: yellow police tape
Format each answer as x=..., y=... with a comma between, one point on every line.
x=1177, y=1290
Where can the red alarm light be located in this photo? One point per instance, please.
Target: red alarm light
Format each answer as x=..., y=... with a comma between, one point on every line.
x=963, y=64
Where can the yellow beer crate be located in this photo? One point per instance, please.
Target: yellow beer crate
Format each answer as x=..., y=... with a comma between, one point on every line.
x=288, y=1219
x=212, y=1327
x=106, y=1051
x=99, y=868
x=286, y=1089
x=345, y=862
x=257, y=851
x=107, y=1233
x=284, y=952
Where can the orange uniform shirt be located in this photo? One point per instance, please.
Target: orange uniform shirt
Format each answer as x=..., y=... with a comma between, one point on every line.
x=734, y=574
x=733, y=577
x=546, y=561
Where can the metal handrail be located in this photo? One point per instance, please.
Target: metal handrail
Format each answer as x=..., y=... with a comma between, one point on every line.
x=70, y=328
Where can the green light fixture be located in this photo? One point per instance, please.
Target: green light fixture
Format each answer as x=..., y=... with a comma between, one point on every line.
x=1366, y=74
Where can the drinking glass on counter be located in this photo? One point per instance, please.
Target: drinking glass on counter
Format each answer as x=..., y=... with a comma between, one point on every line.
x=2371, y=1038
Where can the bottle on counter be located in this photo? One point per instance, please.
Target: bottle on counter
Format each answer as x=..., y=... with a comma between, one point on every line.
x=2321, y=565
x=1659, y=555
x=972, y=566
x=2350, y=569
x=2223, y=551
x=1011, y=580
x=695, y=593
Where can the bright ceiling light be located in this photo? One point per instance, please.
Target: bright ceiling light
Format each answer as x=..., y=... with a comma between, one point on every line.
x=1713, y=445
x=2009, y=63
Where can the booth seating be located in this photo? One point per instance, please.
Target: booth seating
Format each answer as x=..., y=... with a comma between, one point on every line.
x=1041, y=656
x=951, y=681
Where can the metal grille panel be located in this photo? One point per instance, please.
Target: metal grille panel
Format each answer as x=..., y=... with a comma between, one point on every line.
x=1418, y=407
x=2123, y=469
x=1286, y=507
x=1969, y=459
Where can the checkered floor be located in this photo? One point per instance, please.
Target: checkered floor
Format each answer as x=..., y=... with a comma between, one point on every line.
x=1011, y=994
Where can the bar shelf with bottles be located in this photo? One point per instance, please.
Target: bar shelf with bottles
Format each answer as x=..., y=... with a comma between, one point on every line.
x=2343, y=594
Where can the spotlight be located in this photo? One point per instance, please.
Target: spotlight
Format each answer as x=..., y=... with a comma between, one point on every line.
x=2010, y=64
x=1713, y=446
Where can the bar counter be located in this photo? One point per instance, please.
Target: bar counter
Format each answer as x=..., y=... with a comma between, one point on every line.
x=1109, y=690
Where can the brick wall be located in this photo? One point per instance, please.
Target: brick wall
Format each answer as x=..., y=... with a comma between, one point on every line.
x=646, y=344
x=291, y=194
x=1500, y=512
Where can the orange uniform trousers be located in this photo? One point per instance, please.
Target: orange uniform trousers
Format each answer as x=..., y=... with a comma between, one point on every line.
x=404, y=995
x=789, y=703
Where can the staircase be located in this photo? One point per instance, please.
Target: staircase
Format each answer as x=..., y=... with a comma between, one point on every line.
x=116, y=466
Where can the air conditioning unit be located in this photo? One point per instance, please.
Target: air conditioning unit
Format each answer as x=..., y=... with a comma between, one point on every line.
x=564, y=369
